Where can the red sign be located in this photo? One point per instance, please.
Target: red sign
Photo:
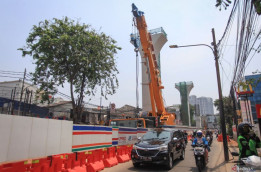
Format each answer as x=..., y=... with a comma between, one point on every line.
x=258, y=110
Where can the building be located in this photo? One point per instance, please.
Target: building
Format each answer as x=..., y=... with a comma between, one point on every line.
x=256, y=98
x=13, y=90
x=206, y=106
x=193, y=102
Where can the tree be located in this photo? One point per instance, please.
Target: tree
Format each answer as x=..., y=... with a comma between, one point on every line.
x=192, y=112
x=223, y=3
x=228, y=112
x=226, y=3
x=66, y=51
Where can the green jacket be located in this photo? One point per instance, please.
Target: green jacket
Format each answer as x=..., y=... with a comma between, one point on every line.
x=253, y=144
x=243, y=145
x=247, y=147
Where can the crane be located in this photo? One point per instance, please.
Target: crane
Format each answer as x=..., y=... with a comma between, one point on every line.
x=155, y=85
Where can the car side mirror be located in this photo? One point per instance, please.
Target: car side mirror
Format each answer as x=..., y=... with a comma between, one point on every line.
x=175, y=139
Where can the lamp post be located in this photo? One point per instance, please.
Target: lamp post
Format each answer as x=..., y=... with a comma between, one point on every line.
x=221, y=106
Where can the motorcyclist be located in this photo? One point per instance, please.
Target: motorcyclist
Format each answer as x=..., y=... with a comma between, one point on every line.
x=210, y=134
x=247, y=140
x=200, y=139
x=194, y=134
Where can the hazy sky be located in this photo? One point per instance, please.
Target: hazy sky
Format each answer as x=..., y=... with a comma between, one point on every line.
x=184, y=21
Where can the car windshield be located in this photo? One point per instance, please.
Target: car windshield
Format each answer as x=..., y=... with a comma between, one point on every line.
x=156, y=134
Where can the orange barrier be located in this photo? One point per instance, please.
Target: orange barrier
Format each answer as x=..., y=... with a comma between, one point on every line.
x=90, y=161
x=95, y=161
x=15, y=166
x=80, y=162
x=122, y=154
x=56, y=163
x=110, y=157
x=220, y=138
x=129, y=148
x=40, y=165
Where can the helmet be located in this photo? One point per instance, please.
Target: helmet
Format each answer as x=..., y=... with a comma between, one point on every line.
x=199, y=133
x=244, y=128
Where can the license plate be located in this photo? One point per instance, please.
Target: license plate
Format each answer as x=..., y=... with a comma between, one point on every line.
x=146, y=158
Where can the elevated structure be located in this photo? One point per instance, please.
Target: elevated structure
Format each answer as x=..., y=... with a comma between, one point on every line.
x=159, y=38
x=184, y=89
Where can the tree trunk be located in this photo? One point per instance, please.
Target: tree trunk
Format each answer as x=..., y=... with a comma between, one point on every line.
x=73, y=104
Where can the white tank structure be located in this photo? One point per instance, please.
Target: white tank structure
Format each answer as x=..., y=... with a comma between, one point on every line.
x=159, y=38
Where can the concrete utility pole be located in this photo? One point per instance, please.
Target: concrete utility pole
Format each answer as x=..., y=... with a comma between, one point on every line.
x=221, y=105
x=22, y=90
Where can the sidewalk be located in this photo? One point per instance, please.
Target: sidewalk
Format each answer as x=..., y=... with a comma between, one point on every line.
x=232, y=147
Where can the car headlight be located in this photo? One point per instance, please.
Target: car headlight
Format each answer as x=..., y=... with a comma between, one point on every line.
x=163, y=148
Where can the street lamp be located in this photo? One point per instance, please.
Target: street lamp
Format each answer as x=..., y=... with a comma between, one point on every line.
x=221, y=106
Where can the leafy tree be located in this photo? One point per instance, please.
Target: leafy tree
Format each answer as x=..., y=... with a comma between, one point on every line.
x=228, y=112
x=226, y=3
x=192, y=112
x=222, y=3
x=66, y=51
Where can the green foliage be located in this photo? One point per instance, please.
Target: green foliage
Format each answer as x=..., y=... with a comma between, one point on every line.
x=67, y=51
x=192, y=112
x=228, y=112
x=222, y=3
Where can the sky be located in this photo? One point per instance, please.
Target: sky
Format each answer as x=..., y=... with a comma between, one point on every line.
x=185, y=22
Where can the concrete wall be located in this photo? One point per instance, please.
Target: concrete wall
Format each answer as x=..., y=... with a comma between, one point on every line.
x=26, y=137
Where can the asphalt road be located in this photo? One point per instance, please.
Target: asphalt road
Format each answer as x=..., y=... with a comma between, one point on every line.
x=216, y=162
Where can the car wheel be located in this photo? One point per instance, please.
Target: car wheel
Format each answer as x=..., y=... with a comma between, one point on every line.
x=182, y=156
x=170, y=162
x=136, y=164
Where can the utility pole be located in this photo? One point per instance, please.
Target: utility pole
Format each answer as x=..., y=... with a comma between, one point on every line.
x=221, y=106
x=22, y=90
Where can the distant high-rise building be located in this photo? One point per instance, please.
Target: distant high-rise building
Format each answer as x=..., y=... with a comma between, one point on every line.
x=206, y=106
x=193, y=100
x=203, y=105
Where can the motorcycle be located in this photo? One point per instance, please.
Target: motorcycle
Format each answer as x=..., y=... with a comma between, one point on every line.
x=201, y=157
x=209, y=139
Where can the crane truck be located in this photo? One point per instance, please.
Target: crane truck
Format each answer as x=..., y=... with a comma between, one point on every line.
x=155, y=85
x=158, y=115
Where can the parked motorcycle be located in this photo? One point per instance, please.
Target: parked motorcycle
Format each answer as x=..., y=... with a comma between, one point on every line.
x=201, y=157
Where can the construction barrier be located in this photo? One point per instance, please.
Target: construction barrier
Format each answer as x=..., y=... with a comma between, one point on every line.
x=56, y=163
x=220, y=138
x=40, y=165
x=95, y=160
x=15, y=166
x=122, y=154
x=189, y=137
x=110, y=157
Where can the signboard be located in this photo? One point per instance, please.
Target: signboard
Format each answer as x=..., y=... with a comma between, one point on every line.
x=246, y=112
x=258, y=110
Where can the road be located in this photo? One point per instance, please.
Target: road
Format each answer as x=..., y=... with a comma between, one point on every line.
x=216, y=162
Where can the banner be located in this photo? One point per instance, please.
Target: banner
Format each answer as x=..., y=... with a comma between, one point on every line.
x=258, y=110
